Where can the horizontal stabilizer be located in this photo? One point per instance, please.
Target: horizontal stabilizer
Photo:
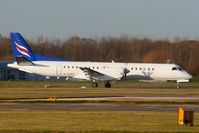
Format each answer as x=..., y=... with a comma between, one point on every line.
x=21, y=61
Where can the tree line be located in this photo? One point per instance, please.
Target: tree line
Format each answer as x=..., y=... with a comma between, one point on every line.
x=122, y=49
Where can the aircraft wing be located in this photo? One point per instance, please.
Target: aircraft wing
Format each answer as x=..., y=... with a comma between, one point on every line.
x=92, y=73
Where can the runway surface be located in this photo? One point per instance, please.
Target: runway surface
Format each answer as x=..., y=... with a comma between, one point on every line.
x=112, y=106
x=96, y=107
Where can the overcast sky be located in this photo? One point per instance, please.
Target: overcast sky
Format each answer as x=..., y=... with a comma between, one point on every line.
x=157, y=19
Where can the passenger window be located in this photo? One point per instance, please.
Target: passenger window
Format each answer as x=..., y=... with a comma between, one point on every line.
x=68, y=66
x=153, y=69
x=149, y=69
x=132, y=68
x=97, y=67
x=136, y=68
x=140, y=68
x=174, y=68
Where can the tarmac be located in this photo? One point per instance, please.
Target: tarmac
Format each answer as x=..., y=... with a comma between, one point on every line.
x=112, y=106
x=97, y=106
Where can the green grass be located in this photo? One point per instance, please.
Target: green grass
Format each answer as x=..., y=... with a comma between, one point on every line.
x=35, y=121
x=41, y=84
x=129, y=83
x=26, y=92
x=195, y=79
x=33, y=92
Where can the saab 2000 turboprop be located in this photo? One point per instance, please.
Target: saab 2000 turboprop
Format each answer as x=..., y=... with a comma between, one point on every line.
x=26, y=60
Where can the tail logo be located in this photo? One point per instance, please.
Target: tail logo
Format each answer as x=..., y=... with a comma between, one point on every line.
x=22, y=50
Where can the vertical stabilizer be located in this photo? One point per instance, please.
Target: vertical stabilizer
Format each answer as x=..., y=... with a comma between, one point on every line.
x=23, y=52
x=20, y=47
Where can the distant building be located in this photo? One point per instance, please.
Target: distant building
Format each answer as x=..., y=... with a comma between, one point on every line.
x=7, y=73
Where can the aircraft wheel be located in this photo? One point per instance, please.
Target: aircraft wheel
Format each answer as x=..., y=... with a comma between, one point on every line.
x=108, y=85
x=94, y=85
x=178, y=85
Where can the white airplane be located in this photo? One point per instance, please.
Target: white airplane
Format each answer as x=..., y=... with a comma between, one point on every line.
x=26, y=60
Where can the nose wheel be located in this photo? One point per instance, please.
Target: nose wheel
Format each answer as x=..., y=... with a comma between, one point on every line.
x=178, y=85
x=107, y=85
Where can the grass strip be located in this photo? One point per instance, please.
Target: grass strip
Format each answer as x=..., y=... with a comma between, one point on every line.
x=33, y=93
x=52, y=84
x=61, y=121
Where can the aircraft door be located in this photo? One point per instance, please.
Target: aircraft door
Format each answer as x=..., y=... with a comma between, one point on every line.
x=59, y=70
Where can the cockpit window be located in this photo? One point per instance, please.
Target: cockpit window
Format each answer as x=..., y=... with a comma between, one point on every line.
x=174, y=68
x=179, y=68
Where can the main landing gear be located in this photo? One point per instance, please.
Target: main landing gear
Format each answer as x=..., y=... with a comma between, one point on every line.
x=95, y=85
x=107, y=85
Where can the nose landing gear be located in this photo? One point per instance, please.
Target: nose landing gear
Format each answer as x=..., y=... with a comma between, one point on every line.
x=178, y=85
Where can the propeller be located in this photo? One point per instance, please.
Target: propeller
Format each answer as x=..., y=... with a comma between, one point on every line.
x=125, y=71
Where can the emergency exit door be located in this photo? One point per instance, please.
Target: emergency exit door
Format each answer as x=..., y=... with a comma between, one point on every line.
x=59, y=70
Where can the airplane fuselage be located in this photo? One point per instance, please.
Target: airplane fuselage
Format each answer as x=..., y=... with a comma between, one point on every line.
x=115, y=71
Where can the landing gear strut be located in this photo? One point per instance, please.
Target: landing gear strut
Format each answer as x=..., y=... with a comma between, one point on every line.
x=107, y=85
x=178, y=86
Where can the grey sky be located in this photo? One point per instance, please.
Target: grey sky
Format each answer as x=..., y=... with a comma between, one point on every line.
x=157, y=19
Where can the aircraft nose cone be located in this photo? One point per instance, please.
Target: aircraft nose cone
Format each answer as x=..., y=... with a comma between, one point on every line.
x=189, y=76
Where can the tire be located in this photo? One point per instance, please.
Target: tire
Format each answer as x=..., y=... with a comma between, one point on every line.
x=107, y=85
x=94, y=85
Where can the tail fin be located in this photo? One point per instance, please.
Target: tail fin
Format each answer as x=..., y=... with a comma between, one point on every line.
x=22, y=52
x=21, y=48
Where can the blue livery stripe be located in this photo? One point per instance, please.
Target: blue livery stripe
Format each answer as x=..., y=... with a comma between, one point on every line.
x=21, y=48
